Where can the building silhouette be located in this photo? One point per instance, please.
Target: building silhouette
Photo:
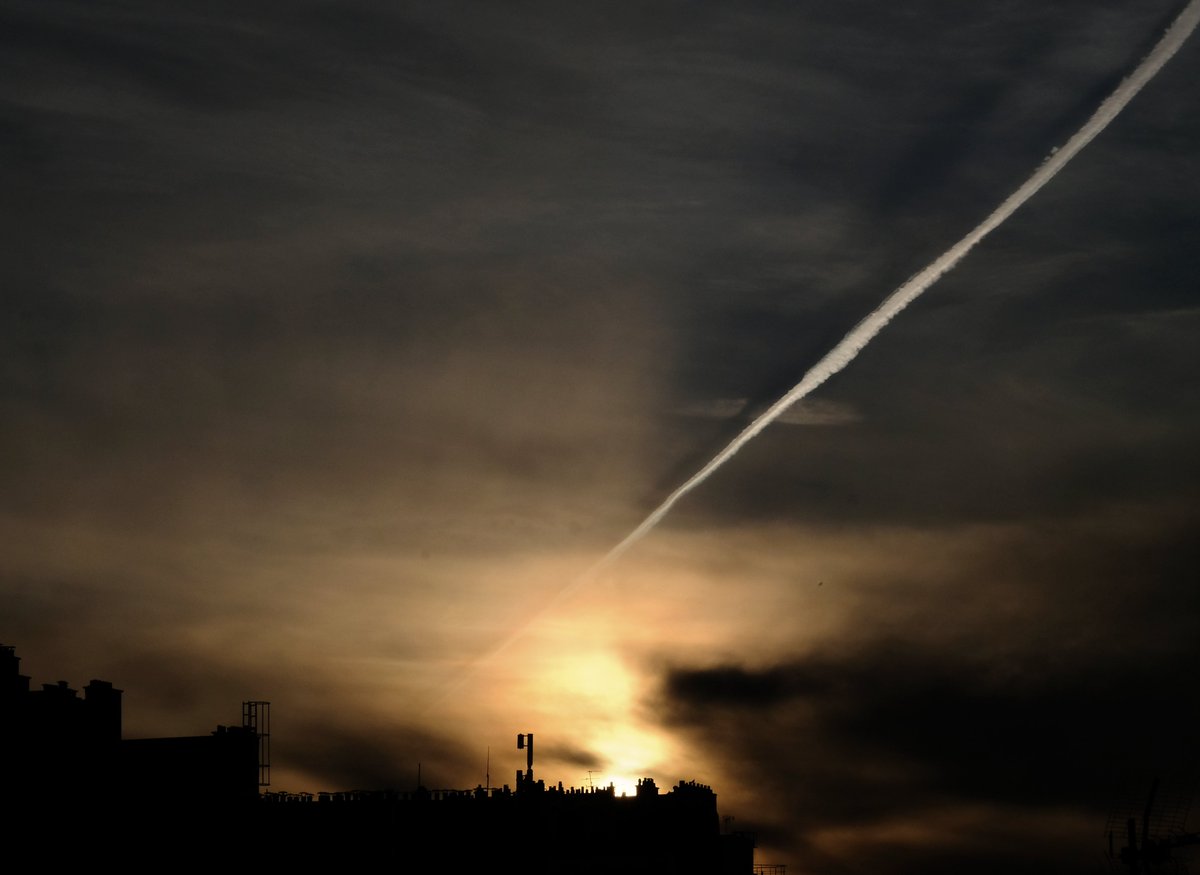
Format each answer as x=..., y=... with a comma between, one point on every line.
x=75, y=791
x=58, y=747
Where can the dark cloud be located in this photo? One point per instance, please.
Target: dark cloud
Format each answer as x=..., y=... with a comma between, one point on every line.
x=1030, y=734
x=375, y=757
x=735, y=686
x=572, y=756
x=1041, y=684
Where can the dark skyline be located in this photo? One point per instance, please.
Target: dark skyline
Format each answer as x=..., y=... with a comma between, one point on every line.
x=340, y=338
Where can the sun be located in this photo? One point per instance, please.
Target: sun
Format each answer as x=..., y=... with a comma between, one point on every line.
x=628, y=754
x=601, y=694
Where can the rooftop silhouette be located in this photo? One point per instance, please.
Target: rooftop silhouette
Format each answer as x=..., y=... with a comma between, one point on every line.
x=66, y=771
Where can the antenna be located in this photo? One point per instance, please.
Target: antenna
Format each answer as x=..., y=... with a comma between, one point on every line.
x=487, y=772
x=525, y=742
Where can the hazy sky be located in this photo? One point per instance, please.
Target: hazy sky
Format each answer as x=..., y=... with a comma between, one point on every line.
x=339, y=337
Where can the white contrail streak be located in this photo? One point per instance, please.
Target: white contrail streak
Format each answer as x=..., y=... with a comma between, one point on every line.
x=864, y=332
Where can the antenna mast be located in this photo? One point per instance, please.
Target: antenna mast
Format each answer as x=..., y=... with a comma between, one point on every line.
x=525, y=742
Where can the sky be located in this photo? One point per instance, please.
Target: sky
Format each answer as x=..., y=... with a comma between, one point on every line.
x=341, y=340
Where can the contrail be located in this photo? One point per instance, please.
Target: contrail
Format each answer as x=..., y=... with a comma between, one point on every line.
x=866, y=330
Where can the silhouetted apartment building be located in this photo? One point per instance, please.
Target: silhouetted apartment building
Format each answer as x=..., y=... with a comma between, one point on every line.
x=59, y=748
x=70, y=785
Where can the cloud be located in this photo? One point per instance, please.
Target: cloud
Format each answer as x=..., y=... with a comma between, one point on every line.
x=576, y=757
x=376, y=757
x=1028, y=679
x=811, y=411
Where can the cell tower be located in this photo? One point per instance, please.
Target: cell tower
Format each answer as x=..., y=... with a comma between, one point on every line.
x=525, y=742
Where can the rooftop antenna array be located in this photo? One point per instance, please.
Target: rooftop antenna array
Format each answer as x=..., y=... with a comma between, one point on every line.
x=525, y=742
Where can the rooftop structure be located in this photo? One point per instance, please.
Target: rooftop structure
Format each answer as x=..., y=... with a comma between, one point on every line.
x=65, y=771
